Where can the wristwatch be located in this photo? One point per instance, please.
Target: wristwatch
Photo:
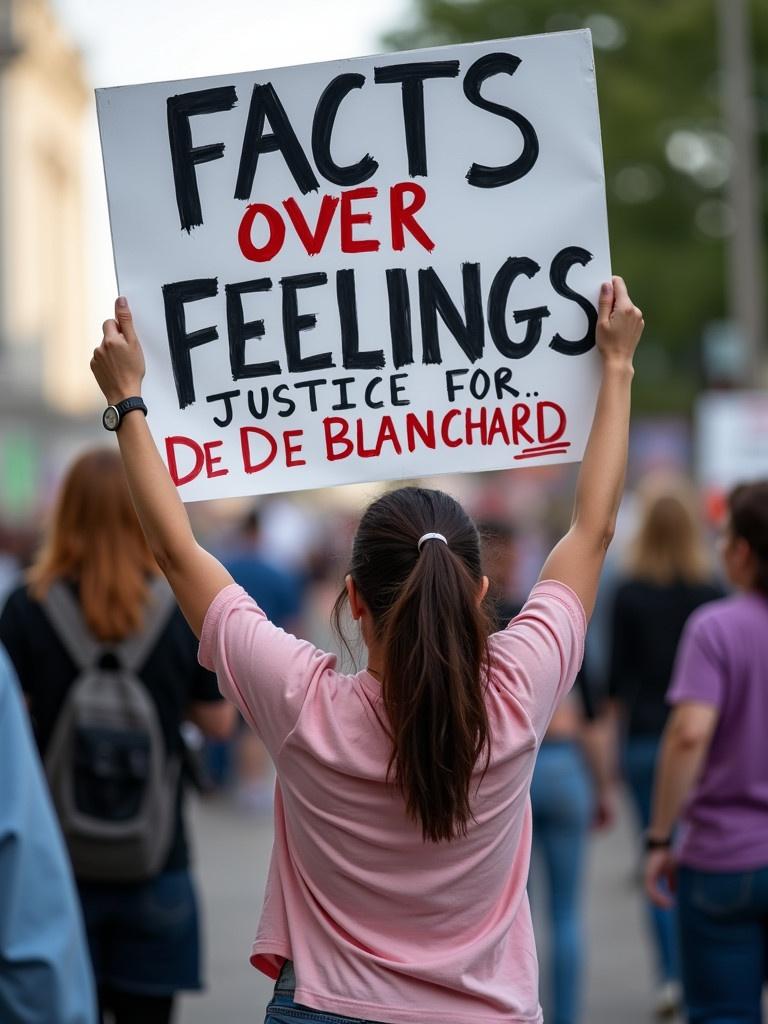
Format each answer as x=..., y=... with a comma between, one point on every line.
x=113, y=414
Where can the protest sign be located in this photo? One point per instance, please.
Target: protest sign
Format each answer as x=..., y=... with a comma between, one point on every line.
x=366, y=269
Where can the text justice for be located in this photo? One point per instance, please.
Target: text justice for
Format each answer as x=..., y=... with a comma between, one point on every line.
x=467, y=325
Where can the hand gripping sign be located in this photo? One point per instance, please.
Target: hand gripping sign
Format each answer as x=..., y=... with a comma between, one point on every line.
x=366, y=269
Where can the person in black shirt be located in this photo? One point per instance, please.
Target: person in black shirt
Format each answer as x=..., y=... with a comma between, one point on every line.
x=669, y=575
x=143, y=936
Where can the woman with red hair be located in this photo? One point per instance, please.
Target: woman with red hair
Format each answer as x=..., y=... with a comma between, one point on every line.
x=143, y=935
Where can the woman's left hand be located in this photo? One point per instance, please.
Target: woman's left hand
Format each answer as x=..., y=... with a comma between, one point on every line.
x=118, y=362
x=661, y=877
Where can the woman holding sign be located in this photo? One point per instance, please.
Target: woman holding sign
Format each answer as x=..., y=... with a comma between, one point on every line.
x=397, y=887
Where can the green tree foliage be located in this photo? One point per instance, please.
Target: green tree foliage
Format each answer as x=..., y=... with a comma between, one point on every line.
x=666, y=158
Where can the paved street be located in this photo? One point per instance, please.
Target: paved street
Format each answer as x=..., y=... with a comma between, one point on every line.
x=232, y=853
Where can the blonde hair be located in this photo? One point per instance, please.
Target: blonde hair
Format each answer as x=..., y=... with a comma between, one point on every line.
x=669, y=544
x=95, y=539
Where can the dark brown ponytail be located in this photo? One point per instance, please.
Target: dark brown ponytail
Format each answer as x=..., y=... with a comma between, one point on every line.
x=433, y=630
x=748, y=508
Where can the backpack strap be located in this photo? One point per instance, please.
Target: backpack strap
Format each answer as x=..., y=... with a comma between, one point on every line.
x=64, y=613
x=135, y=649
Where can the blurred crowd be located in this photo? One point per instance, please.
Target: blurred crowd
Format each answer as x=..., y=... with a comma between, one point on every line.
x=290, y=555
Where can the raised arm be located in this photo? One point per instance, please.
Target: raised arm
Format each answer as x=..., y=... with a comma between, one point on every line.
x=578, y=558
x=195, y=576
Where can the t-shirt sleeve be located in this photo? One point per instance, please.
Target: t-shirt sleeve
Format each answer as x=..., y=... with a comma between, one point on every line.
x=261, y=669
x=700, y=670
x=539, y=653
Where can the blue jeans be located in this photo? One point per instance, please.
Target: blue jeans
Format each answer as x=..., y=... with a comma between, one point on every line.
x=639, y=761
x=283, y=1010
x=723, y=921
x=561, y=795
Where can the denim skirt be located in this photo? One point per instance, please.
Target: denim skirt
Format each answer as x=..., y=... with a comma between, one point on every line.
x=144, y=936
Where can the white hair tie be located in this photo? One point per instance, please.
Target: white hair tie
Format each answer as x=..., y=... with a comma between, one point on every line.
x=432, y=536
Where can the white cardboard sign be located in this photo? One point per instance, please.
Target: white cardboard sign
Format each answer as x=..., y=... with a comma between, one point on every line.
x=366, y=269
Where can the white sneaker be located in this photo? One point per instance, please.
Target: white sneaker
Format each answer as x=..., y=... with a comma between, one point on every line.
x=669, y=999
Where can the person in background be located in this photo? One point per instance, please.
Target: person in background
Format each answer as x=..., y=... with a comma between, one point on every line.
x=45, y=971
x=668, y=576
x=279, y=592
x=143, y=936
x=572, y=789
x=572, y=792
x=712, y=775
x=274, y=588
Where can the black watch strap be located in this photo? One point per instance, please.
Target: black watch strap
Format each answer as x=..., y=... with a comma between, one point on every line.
x=129, y=404
x=114, y=414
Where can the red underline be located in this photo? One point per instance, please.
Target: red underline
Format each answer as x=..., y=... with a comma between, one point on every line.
x=550, y=449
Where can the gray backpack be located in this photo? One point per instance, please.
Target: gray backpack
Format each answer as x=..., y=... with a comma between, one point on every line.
x=113, y=782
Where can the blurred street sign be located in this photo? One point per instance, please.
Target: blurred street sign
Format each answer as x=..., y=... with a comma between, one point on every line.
x=731, y=441
x=725, y=354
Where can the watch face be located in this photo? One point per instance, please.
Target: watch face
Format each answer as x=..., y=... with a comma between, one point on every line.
x=111, y=418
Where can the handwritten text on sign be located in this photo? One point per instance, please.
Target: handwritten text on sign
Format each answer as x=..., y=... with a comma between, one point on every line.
x=367, y=269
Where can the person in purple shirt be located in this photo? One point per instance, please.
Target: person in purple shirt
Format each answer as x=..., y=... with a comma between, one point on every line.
x=712, y=774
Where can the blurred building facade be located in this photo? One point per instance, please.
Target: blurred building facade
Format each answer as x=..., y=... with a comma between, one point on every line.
x=44, y=385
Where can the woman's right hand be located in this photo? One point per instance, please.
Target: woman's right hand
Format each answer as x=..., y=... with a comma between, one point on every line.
x=619, y=323
x=195, y=576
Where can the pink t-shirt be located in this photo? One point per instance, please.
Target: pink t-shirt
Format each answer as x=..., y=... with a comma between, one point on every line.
x=380, y=924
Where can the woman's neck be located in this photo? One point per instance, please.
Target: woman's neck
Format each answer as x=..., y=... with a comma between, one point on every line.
x=375, y=661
